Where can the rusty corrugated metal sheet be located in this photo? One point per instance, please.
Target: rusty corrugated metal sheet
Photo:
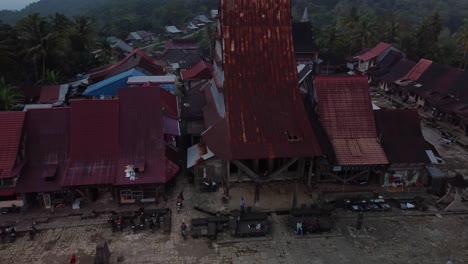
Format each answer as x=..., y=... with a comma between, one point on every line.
x=93, y=142
x=265, y=116
x=375, y=52
x=47, y=144
x=141, y=137
x=345, y=112
x=11, y=126
x=417, y=70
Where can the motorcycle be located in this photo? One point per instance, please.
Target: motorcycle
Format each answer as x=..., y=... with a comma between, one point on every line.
x=183, y=231
x=179, y=205
x=11, y=234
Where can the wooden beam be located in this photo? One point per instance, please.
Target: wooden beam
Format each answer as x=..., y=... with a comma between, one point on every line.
x=249, y=172
x=283, y=168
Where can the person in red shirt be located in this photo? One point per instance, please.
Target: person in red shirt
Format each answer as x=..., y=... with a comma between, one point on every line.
x=72, y=259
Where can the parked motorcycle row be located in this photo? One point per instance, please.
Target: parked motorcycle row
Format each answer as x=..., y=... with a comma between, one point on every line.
x=139, y=221
x=8, y=233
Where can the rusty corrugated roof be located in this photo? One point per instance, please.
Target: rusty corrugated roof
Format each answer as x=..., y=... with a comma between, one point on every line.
x=11, y=124
x=47, y=145
x=264, y=113
x=374, y=52
x=345, y=112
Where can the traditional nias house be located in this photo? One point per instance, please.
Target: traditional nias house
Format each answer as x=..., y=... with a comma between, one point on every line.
x=196, y=75
x=12, y=157
x=254, y=116
x=344, y=109
x=373, y=56
x=146, y=117
x=94, y=136
x=393, y=67
x=410, y=79
x=407, y=151
x=136, y=60
x=47, y=148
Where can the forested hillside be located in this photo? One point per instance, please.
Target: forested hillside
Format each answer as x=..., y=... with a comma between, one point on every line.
x=49, y=7
x=50, y=42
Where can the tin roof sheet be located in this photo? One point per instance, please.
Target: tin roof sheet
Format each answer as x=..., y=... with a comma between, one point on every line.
x=93, y=142
x=345, y=112
x=141, y=131
x=374, y=52
x=264, y=113
x=11, y=126
x=47, y=145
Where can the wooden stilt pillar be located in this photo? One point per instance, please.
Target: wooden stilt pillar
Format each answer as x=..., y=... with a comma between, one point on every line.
x=255, y=165
x=271, y=165
x=311, y=172
x=300, y=169
x=226, y=181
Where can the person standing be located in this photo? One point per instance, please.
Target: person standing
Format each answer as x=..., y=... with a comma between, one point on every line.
x=242, y=205
x=299, y=228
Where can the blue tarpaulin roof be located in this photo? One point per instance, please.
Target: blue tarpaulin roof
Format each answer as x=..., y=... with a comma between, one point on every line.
x=168, y=87
x=109, y=87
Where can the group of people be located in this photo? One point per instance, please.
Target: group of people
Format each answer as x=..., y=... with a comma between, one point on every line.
x=307, y=226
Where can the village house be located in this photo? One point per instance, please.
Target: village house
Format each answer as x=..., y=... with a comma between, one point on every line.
x=248, y=140
x=405, y=83
x=180, y=54
x=140, y=37
x=393, y=67
x=196, y=75
x=47, y=149
x=136, y=60
x=344, y=109
x=408, y=153
x=12, y=157
x=373, y=56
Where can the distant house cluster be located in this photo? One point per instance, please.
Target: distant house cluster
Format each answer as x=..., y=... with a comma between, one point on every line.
x=117, y=129
x=436, y=88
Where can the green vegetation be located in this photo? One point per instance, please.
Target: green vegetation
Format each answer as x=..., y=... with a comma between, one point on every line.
x=421, y=28
x=45, y=49
x=9, y=97
x=56, y=45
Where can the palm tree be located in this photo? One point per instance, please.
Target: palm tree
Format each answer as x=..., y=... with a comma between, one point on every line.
x=9, y=97
x=37, y=41
x=364, y=33
x=107, y=52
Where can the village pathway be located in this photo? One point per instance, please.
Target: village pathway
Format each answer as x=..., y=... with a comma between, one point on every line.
x=386, y=238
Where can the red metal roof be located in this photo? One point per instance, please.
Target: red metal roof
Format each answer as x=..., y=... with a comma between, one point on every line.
x=401, y=136
x=49, y=94
x=141, y=139
x=374, y=52
x=263, y=104
x=345, y=111
x=47, y=144
x=417, y=70
x=9, y=191
x=201, y=71
x=168, y=102
x=11, y=124
x=93, y=142
x=135, y=59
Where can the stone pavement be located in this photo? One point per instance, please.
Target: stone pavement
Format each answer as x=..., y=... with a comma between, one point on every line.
x=387, y=238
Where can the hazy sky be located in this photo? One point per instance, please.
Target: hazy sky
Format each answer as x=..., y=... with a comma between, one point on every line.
x=14, y=4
